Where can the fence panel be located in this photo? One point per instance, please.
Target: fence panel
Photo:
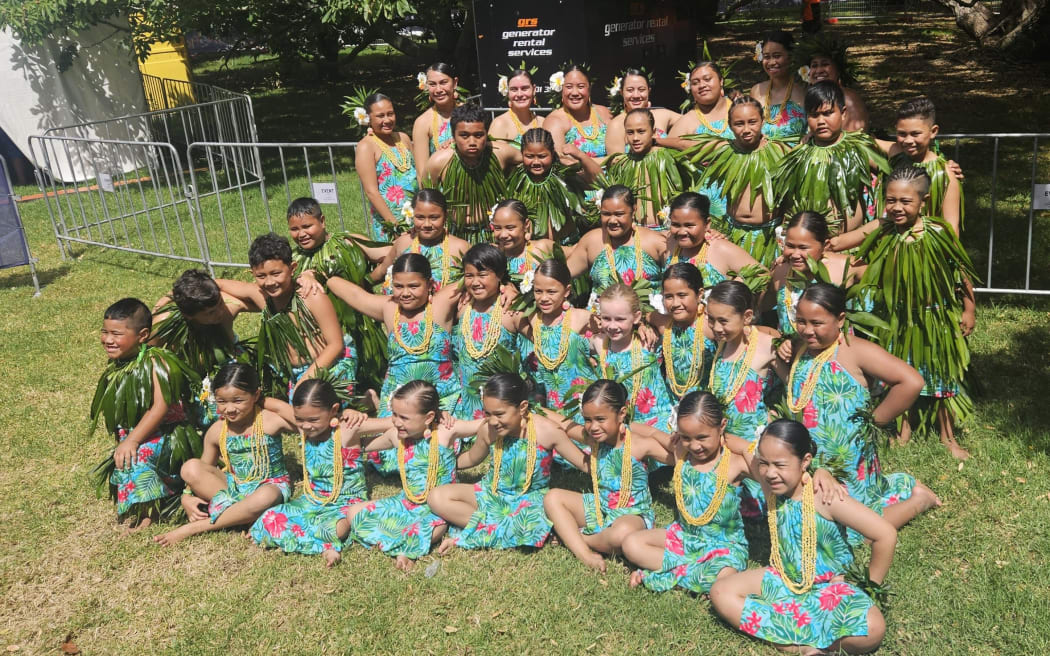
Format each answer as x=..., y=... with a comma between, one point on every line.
x=131, y=196
x=234, y=208
x=1004, y=231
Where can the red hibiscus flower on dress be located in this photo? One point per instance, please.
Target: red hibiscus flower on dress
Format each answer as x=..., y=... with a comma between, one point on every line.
x=861, y=473
x=545, y=463
x=479, y=414
x=413, y=327
x=579, y=141
x=375, y=458
x=445, y=370
x=835, y=367
x=297, y=531
x=446, y=348
x=614, y=499
x=412, y=531
x=395, y=194
x=554, y=399
x=673, y=539
x=833, y=594
x=408, y=504
x=275, y=523
x=824, y=578
x=646, y=401
x=681, y=571
x=802, y=620
x=748, y=397
x=752, y=624
x=144, y=453
x=384, y=172
x=477, y=329
x=351, y=455
x=810, y=416
x=627, y=276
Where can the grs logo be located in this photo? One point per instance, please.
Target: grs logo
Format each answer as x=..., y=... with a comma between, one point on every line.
x=528, y=22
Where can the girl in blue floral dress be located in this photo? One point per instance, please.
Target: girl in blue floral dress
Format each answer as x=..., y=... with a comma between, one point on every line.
x=505, y=508
x=386, y=168
x=429, y=237
x=797, y=601
x=620, y=352
x=512, y=235
x=482, y=325
x=685, y=334
x=706, y=541
x=785, y=117
x=716, y=259
x=333, y=478
x=619, y=502
x=246, y=439
x=555, y=353
x=403, y=525
x=827, y=387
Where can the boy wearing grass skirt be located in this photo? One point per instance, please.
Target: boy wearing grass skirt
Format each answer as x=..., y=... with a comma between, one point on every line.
x=922, y=279
x=142, y=396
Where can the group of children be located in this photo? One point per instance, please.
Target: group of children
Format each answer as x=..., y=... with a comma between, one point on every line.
x=695, y=305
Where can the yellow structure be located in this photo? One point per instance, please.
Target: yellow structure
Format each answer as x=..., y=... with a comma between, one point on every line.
x=166, y=76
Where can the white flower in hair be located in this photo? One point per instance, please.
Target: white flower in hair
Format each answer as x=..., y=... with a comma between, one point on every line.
x=598, y=198
x=685, y=81
x=205, y=389
x=504, y=86
x=803, y=72
x=664, y=214
x=388, y=280
x=361, y=116
x=557, y=80
x=779, y=232
x=705, y=295
x=421, y=80
x=492, y=212
x=614, y=88
x=672, y=421
x=592, y=302
x=758, y=51
x=526, y=281
x=656, y=299
x=407, y=211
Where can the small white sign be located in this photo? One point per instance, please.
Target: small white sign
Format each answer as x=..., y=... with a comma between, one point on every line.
x=325, y=193
x=1041, y=197
x=105, y=182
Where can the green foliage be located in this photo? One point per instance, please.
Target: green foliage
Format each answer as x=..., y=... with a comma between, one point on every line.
x=555, y=203
x=472, y=191
x=734, y=169
x=279, y=332
x=657, y=177
x=204, y=348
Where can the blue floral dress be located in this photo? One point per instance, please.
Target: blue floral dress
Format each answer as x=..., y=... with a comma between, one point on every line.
x=395, y=524
x=444, y=134
x=527, y=261
x=575, y=369
x=787, y=121
x=469, y=405
x=712, y=190
x=841, y=444
x=683, y=341
x=148, y=479
x=652, y=397
x=626, y=261
x=710, y=274
x=438, y=273
x=511, y=516
x=592, y=144
x=694, y=555
x=823, y=614
x=396, y=187
x=640, y=502
x=746, y=412
x=305, y=525
x=239, y=447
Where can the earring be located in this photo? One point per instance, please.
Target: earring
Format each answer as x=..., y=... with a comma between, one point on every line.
x=427, y=433
x=806, y=478
x=565, y=305
x=333, y=422
x=623, y=430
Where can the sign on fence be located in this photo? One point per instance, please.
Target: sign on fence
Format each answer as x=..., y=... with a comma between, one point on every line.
x=325, y=193
x=105, y=181
x=1041, y=197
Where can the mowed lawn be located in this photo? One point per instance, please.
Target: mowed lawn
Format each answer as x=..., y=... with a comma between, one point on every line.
x=968, y=578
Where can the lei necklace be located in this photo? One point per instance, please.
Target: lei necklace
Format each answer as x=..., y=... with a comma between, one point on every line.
x=550, y=364
x=401, y=159
x=519, y=126
x=432, y=469
x=698, y=260
x=639, y=263
x=497, y=457
x=693, y=377
x=738, y=376
x=706, y=123
x=435, y=128
x=809, y=539
x=337, y=469
x=491, y=337
x=810, y=384
x=595, y=124
x=260, y=455
x=626, y=476
x=787, y=96
x=721, y=485
x=428, y=331
x=446, y=256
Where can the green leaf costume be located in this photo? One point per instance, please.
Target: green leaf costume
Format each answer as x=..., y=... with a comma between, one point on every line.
x=472, y=191
x=555, y=202
x=657, y=176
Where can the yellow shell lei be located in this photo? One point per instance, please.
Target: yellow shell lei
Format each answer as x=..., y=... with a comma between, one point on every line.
x=704, y=121
x=428, y=331
x=769, y=92
x=446, y=256
x=491, y=338
x=721, y=485
x=432, y=469
x=636, y=366
x=809, y=539
x=593, y=118
x=693, y=377
x=530, y=464
x=260, y=454
x=639, y=263
x=518, y=125
x=337, y=469
x=698, y=260
x=550, y=364
x=626, y=477
x=402, y=159
x=739, y=376
x=810, y=384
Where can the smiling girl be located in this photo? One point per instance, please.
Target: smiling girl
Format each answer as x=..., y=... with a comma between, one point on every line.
x=384, y=165
x=429, y=236
x=519, y=117
x=635, y=87
x=431, y=129
x=578, y=121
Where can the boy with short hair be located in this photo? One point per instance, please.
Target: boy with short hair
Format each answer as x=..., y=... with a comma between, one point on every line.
x=150, y=427
x=298, y=334
x=832, y=172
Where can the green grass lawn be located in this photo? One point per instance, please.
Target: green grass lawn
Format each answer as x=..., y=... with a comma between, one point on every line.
x=969, y=578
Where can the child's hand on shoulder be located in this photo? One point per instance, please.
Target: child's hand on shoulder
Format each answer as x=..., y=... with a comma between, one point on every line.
x=308, y=285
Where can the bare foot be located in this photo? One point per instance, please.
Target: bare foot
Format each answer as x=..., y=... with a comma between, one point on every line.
x=404, y=563
x=331, y=557
x=926, y=498
x=372, y=398
x=955, y=449
x=905, y=434
x=446, y=546
x=180, y=534
x=636, y=578
x=594, y=561
x=135, y=528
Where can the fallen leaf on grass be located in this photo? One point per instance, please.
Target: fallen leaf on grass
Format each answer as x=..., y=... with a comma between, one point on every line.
x=960, y=466
x=13, y=648
x=69, y=647
x=451, y=629
x=1020, y=480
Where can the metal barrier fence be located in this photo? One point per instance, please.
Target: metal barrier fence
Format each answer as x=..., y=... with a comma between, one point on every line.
x=235, y=208
x=166, y=93
x=131, y=196
x=853, y=9
x=1002, y=173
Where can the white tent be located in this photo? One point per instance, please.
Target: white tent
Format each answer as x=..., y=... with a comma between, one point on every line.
x=103, y=82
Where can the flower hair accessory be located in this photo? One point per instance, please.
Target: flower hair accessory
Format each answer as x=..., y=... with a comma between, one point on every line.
x=361, y=116
x=598, y=195
x=407, y=211
x=664, y=214
x=503, y=86
x=803, y=72
x=421, y=81
x=354, y=107
x=492, y=212
x=656, y=299
x=556, y=81
x=614, y=88
x=758, y=52
x=526, y=281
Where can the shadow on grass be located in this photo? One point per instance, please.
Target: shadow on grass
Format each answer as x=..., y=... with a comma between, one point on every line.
x=23, y=277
